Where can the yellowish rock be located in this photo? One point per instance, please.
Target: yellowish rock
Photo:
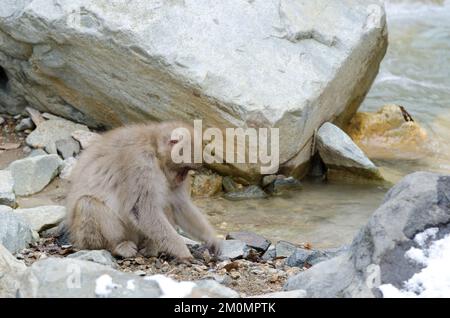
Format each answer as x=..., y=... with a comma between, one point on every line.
x=205, y=184
x=389, y=133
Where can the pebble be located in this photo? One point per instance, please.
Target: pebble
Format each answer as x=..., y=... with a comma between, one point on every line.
x=140, y=273
x=24, y=124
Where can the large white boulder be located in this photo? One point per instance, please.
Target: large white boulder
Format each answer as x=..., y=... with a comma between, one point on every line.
x=292, y=64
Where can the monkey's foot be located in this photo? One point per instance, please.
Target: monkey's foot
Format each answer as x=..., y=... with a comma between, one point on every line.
x=149, y=251
x=125, y=249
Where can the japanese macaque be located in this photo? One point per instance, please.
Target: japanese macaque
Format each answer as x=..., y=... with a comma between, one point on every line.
x=128, y=194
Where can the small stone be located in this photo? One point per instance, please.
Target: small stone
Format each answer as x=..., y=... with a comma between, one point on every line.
x=253, y=240
x=274, y=278
x=43, y=217
x=281, y=184
x=299, y=258
x=37, y=152
x=67, y=167
x=250, y=192
x=266, y=180
x=25, y=123
x=84, y=137
x=97, y=256
x=67, y=148
x=35, y=116
x=15, y=233
x=10, y=271
x=206, y=185
x=235, y=275
x=210, y=288
x=339, y=152
x=140, y=273
x=7, y=196
x=32, y=174
x=9, y=146
x=285, y=249
x=2, y=120
x=229, y=185
x=139, y=260
x=232, y=249
x=47, y=133
x=270, y=254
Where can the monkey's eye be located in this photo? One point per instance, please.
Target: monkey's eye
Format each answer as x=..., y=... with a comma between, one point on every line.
x=173, y=141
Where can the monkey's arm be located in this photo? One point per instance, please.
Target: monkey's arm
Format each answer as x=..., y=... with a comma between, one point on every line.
x=191, y=220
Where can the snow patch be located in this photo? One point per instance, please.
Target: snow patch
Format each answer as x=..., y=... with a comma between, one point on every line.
x=104, y=285
x=422, y=238
x=130, y=284
x=434, y=279
x=171, y=288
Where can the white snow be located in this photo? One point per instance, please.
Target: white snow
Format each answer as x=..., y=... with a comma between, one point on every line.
x=171, y=288
x=434, y=279
x=104, y=285
x=422, y=238
x=130, y=284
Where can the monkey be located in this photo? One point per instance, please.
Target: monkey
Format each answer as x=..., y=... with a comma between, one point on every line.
x=127, y=195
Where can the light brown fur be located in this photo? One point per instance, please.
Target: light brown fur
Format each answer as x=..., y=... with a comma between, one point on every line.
x=124, y=186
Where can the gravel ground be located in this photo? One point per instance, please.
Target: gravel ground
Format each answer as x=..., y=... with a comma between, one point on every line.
x=246, y=277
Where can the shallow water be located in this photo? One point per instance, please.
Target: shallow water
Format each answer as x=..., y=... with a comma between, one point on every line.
x=416, y=74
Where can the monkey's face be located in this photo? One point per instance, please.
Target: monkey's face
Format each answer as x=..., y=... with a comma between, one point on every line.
x=177, y=149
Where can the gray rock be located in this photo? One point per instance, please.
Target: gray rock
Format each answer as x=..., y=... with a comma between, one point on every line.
x=377, y=254
x=283, y=294
x=24, y=124
x=232, y=249
x=15, y=233
x=252, y=240
x=267, y=180
x=67, y=167
x=37, y=152
x=229, y=185
x=67, y=148
x=299, y=257
x=303, y=257
x=221, y=279
x=279, y=185
x=7, y=196
x=10, y=271
x=102, y=257
x=44, y=217
x=48, y=132
x=270, y=254
x=31, y=175
x=84, y=137
x=212, y=289
x=338, y=151
x=248, y=193
x=35, y=116
x=285, y=63
x=285, y=249
x=68, y=278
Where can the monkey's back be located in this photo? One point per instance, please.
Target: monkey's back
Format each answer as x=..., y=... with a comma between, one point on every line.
x=111, y=166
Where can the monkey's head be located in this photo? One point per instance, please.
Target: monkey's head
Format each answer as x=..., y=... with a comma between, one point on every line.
x=176, y=150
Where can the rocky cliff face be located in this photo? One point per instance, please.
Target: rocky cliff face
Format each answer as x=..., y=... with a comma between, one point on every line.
x=287, y=64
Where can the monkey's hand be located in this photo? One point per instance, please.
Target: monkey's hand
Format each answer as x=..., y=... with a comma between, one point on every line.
x=214, y=247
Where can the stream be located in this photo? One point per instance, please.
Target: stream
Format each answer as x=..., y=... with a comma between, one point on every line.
x=415, y=73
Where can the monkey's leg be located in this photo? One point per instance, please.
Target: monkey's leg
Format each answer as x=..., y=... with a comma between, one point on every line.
x=102, y=228
x=156, y=226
